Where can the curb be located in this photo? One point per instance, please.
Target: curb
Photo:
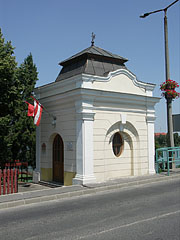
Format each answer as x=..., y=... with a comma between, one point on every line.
x=20, y=199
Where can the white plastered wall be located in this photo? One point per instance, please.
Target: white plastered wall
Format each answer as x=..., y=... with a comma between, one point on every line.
x=120, y=83
x=66, y=127
x=134, y=158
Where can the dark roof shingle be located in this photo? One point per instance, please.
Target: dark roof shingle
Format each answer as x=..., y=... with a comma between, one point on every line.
x=93, y=61
x=93, y=50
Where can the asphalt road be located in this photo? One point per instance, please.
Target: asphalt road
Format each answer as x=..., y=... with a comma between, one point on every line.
x=149, y=212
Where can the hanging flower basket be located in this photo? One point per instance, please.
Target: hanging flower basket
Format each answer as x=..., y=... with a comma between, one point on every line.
x=168, y=89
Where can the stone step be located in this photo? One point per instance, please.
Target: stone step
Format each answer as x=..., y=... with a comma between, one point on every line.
x=51, y=184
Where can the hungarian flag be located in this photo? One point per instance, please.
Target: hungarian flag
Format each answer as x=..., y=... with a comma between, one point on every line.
x=35, y=111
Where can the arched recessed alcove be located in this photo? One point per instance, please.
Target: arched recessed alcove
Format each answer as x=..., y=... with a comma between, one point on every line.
x=123, y=163
x=58, y=159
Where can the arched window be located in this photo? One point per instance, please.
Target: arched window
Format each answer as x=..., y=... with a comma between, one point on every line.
x=117, y=144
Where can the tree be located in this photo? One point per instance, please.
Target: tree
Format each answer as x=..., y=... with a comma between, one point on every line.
x=8, y=97
x=176, y=140
x=162, y=140
x=24, y=148
x=17, y=138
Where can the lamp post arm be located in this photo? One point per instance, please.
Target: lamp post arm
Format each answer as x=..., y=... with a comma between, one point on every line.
x=160, y=10
x=149, y=13
x=171, y=4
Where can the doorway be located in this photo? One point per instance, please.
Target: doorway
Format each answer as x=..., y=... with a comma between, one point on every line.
x=58, y=159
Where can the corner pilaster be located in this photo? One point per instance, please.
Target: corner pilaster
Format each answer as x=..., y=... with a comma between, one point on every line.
x=36, y=172
x=151, y=145
x=84, y=143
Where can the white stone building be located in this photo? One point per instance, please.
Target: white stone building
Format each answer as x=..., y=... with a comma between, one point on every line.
x=104, y=126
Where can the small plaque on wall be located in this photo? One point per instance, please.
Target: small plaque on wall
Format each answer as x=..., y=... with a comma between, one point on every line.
x=69, y=146
x=43, y=147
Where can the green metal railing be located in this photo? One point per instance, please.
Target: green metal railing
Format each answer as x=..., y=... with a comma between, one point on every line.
x=166, y=158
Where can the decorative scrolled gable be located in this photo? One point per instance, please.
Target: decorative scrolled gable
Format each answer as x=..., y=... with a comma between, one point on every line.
x=122, y=80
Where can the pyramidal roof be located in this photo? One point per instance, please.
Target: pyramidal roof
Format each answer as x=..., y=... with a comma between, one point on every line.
x=92, y=60
x=93, y=50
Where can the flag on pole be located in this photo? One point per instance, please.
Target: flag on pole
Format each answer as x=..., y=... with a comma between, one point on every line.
x=35, y=111
x=30, y=110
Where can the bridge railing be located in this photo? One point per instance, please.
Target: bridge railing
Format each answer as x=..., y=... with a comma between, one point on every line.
x=167, y=158
x=8, y=181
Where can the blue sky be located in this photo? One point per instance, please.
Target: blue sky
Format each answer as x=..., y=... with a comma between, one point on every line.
x=53, y=30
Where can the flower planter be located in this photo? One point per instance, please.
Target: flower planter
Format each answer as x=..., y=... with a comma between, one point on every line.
x=168, y=89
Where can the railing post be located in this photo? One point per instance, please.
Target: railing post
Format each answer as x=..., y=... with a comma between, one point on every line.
x=15, y=180
x=8, y=176
x=4, y=181
x=0, y=181
x=164, y=164
x=168, y=162
x=21, y=174
x=11, y=180
x=173, y=159
x=157, y=163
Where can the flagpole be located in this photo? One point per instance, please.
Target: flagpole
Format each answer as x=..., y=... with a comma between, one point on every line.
x=50, y=114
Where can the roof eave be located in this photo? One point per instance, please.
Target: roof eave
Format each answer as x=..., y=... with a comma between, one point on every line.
x=91, y=55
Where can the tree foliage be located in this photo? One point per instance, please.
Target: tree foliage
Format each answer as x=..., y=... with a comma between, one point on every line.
x=24, y=148
x=17, y=138
x=176, y=140
x=8, y=97
x=162, y=141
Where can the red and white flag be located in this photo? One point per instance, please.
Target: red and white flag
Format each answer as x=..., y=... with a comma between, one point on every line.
x=30, y=110
x=37, y=112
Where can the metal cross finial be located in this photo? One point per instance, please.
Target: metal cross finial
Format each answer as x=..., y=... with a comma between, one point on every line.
x=93, y=37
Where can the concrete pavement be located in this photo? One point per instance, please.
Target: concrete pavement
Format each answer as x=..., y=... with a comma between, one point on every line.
x=36, y=193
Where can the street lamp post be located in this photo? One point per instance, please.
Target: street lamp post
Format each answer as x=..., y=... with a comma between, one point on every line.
x=168, y=100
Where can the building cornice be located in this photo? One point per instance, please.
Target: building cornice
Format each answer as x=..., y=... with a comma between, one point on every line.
x=100, y=96
x=85, y=81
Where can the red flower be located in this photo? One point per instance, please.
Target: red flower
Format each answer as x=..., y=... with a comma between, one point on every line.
x=168, y=89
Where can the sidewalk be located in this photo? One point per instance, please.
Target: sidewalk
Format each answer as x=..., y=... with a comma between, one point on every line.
x=36, y=193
